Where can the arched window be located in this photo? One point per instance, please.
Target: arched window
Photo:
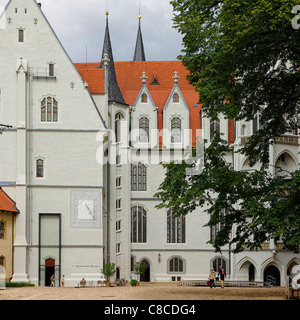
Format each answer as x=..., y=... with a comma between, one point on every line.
x=49, y=110
x=243, y=130
x=175, y=130
x=256, y=123
x=138, y=177
x=219, y=262
x=175, y=228
x=40, y=168
x=138, y=225
x=214, y=126
x=21, y=35
x=176, y=264
x=51, y=70
x=144, y=129
x=176, y=97
x=2, y=230
x=144, y=98
x=118, y=118
x=214, y=230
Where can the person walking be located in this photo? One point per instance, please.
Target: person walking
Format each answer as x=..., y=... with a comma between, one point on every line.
x=52, y=281
x=62, y=280
x=222, y=275
x=212, y=277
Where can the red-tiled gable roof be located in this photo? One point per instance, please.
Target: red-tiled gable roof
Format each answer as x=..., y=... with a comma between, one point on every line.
x=94, y=77
x=129, y=79
x=6, y=203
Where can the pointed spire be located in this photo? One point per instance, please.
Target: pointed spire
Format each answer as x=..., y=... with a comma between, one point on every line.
x=139, y=53
x=114, y=92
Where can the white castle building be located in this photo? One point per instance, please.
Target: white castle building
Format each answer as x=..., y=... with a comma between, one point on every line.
x=82, y=204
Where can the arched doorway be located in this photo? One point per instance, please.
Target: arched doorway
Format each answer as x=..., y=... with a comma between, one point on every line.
x=273, y=272
x=50, y=270
x=145, y=277
x=118, y=273
x=251, y=271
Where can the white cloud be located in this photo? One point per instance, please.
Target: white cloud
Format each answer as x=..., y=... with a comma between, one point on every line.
x=81, y=23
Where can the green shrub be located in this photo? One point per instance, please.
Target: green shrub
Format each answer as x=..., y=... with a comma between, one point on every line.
x=18, y=284
x=133, y=282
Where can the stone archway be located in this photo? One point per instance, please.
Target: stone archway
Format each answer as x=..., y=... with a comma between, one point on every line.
x=145, y=277
x=272, y=271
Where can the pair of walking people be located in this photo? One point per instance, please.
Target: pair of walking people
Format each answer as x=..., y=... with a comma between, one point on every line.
x=212, y=277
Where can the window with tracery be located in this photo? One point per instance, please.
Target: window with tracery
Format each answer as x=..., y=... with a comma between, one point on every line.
x=144, y=129
x=175, y=228
x=49, y=110
x=138, y=225
x=175, y=130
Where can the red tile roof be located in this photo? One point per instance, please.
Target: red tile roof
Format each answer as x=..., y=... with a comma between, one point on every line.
x=94, y=77
x=128, y=76
x=6, y=203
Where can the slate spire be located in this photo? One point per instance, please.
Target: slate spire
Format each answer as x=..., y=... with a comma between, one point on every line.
x=114, y=92
x=139, y=53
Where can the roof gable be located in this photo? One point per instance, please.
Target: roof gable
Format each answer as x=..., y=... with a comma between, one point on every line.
x=6, y=203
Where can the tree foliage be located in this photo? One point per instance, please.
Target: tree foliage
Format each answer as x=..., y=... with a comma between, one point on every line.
x=243, y=58
x=246, y=53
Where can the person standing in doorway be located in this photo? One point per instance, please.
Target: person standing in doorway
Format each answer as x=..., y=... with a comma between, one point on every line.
x=222, y=275
x=52, y=281
x=62, y=280
x=212, y=277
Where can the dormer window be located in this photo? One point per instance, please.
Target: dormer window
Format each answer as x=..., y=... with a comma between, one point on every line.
x=176, y=97
x=144, y=98
x=51, y=70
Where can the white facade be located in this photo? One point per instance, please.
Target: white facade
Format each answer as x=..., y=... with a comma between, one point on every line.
x=55, y=121
x=80, y=212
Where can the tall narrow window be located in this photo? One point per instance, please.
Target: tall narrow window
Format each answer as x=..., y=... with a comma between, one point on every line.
x=138, y=177
x=40, y=168
x=175, y=228
x=21, y=35
x=144, y=98
x=118, y=119
x=175, y=130
x=214, y=126
x=144, y=129
x=43, y=110
x=256, y=123
x=216, y=228
x=176, y=97
x=51, y=70
x=2, y=230
x=2, y=261
x=138, y=225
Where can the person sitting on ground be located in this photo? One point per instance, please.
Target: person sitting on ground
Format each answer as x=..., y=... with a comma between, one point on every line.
x=82, y=282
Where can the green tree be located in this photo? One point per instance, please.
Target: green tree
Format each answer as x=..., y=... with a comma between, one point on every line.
x=109, y=269
x=243, y=58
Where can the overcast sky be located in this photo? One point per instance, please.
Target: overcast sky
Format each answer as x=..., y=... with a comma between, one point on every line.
x=81, y=23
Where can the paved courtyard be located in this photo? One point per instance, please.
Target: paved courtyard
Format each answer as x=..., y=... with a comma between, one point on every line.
x=147, y=291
